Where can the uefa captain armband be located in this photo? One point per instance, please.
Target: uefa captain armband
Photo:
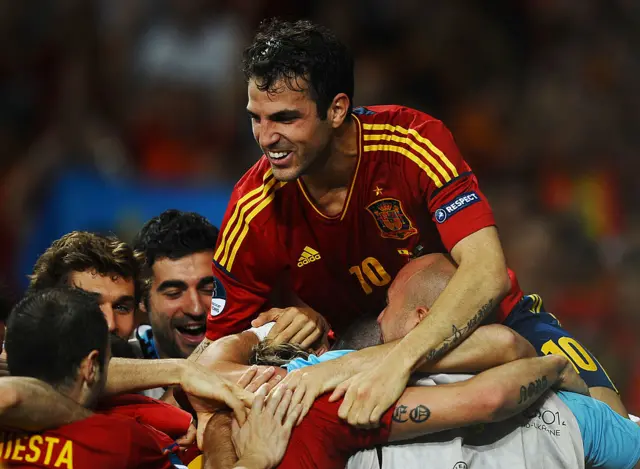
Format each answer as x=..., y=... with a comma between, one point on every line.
x=459, y=203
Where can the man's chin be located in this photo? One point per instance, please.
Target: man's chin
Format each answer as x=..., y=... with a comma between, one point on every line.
x=285, y=175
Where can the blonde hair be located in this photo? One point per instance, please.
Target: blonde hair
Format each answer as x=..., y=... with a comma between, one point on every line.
x=269, y=354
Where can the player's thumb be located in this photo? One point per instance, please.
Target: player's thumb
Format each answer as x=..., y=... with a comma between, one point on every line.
x=272, y=315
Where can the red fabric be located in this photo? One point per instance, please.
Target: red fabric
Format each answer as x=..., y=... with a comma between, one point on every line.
x=98, y=442
x=323, y=441
x=401, y=183
x=157, y=414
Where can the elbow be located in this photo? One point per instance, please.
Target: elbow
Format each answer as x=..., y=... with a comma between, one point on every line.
x=514, y=345
x=502, y=281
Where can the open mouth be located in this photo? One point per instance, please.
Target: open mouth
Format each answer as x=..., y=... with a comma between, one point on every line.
x=278, y=155
x=193, y=331
x=280, y=158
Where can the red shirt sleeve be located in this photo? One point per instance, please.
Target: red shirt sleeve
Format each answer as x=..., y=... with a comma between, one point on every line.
x=244, y=264
x=447, y=184
x=166, y=418
x=146, y=448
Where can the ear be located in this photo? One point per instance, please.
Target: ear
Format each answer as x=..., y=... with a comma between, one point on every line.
x=142, y=305
x=338, y=110
x=90, y=366
x=423, y=312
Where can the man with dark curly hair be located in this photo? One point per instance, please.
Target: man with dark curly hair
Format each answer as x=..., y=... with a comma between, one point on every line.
x=177, y=283
x=103, y=265
x=338, y=202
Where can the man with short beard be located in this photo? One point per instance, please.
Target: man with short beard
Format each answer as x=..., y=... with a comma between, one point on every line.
x=177, y=282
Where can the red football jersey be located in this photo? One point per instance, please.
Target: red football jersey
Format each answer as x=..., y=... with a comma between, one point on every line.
x=97, y=442
x=411, y=187
x=323, y=441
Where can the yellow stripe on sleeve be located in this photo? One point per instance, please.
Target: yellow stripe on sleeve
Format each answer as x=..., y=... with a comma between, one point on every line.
x=409, y=154
x=425, y=141
x=245, y=228
x=239, y=205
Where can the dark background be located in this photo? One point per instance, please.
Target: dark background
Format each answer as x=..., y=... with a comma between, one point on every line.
x=114, y=110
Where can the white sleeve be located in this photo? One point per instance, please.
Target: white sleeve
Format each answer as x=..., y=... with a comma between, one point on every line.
x=262, y=331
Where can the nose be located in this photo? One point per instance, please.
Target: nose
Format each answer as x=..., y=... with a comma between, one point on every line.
x=265, y=134
x=379, y=319
x=107, y=310
x=198, y=306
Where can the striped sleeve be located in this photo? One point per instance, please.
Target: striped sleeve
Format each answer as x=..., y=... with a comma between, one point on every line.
x=435, y=168
x=243, y=263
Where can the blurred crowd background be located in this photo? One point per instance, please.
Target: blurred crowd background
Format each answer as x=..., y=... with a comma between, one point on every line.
x=112, y=111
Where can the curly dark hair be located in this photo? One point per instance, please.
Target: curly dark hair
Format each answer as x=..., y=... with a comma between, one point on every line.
x=172, y=234
x=300, y=51
x=80, y=251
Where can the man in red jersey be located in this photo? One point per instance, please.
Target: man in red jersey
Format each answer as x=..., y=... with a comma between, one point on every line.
x=336, y=205
x=71, y=355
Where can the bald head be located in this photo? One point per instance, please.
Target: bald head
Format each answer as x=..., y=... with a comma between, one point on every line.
x=423, y=279
x=413, y=292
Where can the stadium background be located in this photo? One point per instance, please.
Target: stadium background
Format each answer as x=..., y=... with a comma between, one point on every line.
x=114, y=110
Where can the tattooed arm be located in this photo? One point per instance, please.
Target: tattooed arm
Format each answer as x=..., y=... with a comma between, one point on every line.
x=479, y=283
x=199, y=349
x=491, y=396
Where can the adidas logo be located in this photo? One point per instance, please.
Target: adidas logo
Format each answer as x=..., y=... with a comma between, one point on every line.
x=308, y=256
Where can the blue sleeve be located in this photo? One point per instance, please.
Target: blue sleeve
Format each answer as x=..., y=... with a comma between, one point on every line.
x=297, y=363
x=610, y=440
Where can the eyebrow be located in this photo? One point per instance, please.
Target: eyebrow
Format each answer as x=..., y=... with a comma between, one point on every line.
x=172, y=284
x=284, y=115
x=125, y=299
x=205, y=280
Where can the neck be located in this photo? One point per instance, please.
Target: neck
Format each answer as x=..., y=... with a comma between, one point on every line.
x=336, y=170
x=73, y=392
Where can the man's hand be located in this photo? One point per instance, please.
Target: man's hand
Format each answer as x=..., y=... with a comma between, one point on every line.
x=570, y=380
x=309, y=383
x=188, y=439
x=256, y=376
x=206, y=391
x=369, y=394
x=296, y=325
x=265, y=435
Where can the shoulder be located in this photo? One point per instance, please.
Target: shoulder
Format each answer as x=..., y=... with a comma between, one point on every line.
x=381, y=117
x=256, y=177
x=252, y=201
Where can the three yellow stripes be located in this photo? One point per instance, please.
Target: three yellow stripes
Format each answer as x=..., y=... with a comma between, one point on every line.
x=420, y=150
x=246, y=209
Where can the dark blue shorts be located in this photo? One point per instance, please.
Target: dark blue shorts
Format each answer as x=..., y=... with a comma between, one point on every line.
x=543, y=330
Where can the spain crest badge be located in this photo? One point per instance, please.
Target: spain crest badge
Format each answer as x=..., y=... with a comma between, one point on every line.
x=391, y=220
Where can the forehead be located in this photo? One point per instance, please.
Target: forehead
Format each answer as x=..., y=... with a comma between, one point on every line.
x=281, y=97
x=192, y=267
x=108, y=286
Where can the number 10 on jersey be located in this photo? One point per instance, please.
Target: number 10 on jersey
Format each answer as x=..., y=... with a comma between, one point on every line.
x=370, y=274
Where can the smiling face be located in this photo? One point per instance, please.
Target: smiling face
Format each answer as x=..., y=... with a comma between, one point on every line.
x=179, y=301
x=286, y=125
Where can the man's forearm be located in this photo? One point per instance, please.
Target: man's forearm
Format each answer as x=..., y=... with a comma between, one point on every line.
x=470, y=296
x=217, y=446
x=32, y=405
x=491, y=396
x=202, y=346
x=132, y=375
x=486, y=347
